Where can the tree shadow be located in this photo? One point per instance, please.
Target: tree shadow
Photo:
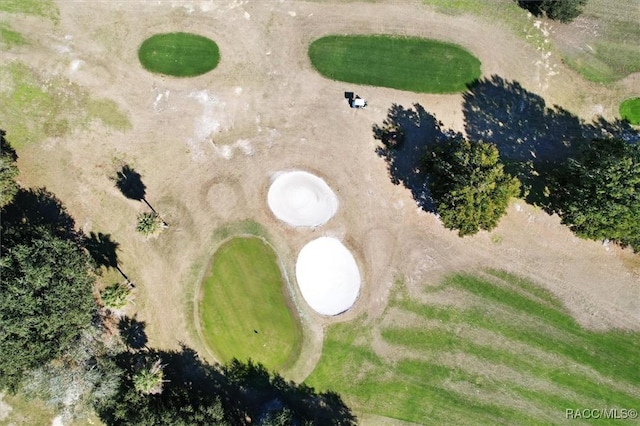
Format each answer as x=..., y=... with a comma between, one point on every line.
x=133, y=332
x=405, y=135
x=129, y=182
x=534, y=140
x=103, y=251
x=248, y=393
x=34, y=208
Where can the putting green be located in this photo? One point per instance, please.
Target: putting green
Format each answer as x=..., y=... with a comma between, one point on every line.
x=630, y=110
x=413, y=64
x=243, y=306
x=179, y=54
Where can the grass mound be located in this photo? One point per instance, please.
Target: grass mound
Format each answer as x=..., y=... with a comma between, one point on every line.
x=413, y=64
x=179, y=54
x=494, y=349
x=243, y=306
x=630, y=110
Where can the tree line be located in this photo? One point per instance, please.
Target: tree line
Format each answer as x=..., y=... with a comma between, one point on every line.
x=516, y=146
x=60, y=344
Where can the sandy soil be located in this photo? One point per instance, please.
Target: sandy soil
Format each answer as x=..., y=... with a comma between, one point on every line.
x=207, y=147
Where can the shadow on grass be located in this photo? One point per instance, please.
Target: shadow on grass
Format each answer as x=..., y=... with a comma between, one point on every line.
x=405, y=135
x=34, y=208
x=534, y=140
x=247, y=392
x=133, y=332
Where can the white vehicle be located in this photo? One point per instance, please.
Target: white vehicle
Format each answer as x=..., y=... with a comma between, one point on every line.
x=358, y=102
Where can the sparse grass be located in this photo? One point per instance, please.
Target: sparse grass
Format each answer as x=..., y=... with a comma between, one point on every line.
x=179, y=54
x=243, y=307
x=46, y=8
x=515, y=356
x=34, y=107
x=630, y=110
x=606, y=34
x=10, y=38
x=30, y=412
x=413, y=64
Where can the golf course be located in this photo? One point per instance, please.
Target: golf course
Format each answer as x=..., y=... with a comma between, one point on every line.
x=242, y=199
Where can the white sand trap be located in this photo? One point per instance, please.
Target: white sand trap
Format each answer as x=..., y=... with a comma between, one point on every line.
x=328, y=276
x=302, y=199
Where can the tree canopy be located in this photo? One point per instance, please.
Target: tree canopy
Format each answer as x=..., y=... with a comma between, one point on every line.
x=468, y=184
x=8, y=171
x=46, y=288
x=598, y=194
x=559, y=10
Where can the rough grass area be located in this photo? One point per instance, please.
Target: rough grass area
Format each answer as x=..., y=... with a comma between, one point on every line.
x=601, y=44
x=179, y=54
x=34, y=107
x=630, y=110
x=46, y=8
x=413, y=64
x=243, y=307
x=10, y=38
x=488, y=350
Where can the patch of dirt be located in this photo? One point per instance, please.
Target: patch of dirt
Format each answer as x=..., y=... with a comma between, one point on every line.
x=206, y=148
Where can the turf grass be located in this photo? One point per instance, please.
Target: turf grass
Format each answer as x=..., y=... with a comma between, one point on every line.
x=243, y=308
x=412, y=64
x=179, y=54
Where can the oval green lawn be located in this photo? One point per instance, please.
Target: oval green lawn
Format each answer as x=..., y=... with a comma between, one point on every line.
x=243, y=306
x=630, y=110
x=413, y=64
x=179, y=54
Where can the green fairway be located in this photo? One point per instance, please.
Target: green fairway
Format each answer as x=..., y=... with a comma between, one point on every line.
x=494, y=349
x=179, y=54
x=630, y=110
x=243, y=307
x=413, y=64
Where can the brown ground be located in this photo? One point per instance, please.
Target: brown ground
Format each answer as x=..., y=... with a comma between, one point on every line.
x=206, y=148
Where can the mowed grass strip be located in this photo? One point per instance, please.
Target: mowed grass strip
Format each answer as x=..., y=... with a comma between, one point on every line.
x=507, y=352
x=179, y=54
x=412, y=64
x=243, y=309
x=630, y=110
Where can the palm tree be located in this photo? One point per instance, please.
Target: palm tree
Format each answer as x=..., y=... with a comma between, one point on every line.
x=148, y=223
x=150, y=378
x=129, y=182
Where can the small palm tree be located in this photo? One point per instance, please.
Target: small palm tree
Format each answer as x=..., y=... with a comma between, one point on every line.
x=115, y=296
x=148, y=223
x=150, y=379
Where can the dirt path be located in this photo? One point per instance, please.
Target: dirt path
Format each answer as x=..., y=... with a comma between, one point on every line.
x=206, y=148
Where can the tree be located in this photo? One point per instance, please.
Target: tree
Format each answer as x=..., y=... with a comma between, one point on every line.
x=598, y=193
x=148, y=223
x=561, y=10
x=82, y=377
x=115, y=296
x=149, y=379
x=468, y=184
x=8, y=171
x=45, y=299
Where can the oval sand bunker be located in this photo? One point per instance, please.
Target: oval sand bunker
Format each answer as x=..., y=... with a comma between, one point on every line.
x=328, y=276
x=301, y=199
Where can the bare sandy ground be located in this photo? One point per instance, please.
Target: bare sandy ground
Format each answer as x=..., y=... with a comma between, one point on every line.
x=207, y=147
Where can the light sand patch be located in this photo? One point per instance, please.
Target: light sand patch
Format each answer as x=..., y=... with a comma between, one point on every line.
x=302, y=199
x=5, y=409
x=328, y=276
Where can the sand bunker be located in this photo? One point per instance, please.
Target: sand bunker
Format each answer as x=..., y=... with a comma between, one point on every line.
x=302, y=199
x=328, y=276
